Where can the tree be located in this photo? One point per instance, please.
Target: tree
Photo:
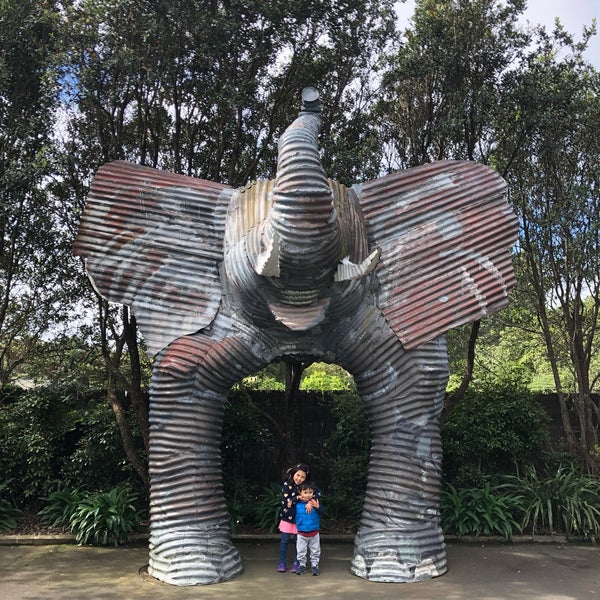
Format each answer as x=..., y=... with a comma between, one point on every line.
x=442, y=86
x=37, y=283
x=441, y=91
x=551, y=156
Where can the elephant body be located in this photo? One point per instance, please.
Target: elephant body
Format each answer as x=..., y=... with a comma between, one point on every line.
x=224, y=282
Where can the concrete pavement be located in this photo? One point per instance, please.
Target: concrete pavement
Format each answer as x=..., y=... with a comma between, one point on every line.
x=486, y=571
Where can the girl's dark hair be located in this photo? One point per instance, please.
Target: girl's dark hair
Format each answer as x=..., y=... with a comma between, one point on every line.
x=299, y=467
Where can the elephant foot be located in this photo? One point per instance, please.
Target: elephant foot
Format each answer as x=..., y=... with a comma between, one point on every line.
x=181, y=558
x=399, y=556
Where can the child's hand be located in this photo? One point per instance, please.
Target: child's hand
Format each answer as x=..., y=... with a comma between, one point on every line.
x=315, y=502
x=289, y=504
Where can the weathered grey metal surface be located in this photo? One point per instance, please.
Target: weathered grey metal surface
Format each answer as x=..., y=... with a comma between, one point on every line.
x=224, y=282
x=153, y=240
x=444, y=230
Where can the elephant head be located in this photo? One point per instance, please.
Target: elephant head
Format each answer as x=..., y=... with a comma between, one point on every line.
x=297, y=241
x=299, y=250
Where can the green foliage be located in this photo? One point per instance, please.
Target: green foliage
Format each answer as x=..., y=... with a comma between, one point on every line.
x=8, y=512
x=492, y=430
x=346, y=454
x=60, y=505
x=98, y=460
x=104, y=518
x=565, y=500
x=47, y=435
x=246, y=508
x=550, y=155
x=36, y=259
x=267, y=507
x=240, y=496
x=326, y=377
x=242, y=426
x=271, y=378
x=33, y=428
x=479, y=511
x=443, y=85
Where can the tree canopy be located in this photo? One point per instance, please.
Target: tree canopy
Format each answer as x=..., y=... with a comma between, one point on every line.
x=205, y=87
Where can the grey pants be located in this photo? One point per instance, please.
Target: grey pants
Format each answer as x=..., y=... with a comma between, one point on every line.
x=313, y=545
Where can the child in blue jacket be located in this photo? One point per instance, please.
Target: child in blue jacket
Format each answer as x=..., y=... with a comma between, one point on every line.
x=308, y=523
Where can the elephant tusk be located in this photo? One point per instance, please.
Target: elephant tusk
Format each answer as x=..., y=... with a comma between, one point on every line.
x=267, y=262
x=348, y=271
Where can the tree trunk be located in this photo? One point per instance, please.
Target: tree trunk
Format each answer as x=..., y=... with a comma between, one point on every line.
x=293, y=376
x=139, y=400
x=112, y=352
x=453, y=399
x=139, y=465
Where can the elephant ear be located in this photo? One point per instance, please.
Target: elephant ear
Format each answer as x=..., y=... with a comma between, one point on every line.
x=153, y=240
x=445, y=231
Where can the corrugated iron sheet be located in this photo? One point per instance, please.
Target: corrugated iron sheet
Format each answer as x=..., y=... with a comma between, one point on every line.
x=445, y=230
x=152, y=240
x=190, y=537
x=399, y=538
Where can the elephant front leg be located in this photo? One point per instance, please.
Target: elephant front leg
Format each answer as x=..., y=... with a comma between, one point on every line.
x=400, y=538
x=190, y=536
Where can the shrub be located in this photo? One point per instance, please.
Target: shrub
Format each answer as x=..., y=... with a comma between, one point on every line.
x=241, y=501
x=33, y=426
x=60, y=506
x=567, y=501
x=8, y=512
x=97, y=460
x=267, y=508
x=479, y=511
x=347, y=456
x=104, y=518
x=242, y=428
x=492, y=430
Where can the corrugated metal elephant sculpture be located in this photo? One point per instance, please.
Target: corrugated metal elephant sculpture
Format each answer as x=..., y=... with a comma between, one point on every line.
x=225, y=281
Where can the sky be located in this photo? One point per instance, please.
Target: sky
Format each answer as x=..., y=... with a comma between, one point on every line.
x=573, y=14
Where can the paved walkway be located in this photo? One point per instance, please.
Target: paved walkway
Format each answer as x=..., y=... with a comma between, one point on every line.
x=477, y=571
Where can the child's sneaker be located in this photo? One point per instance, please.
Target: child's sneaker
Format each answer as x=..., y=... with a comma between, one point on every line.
x=300, y=570
x=281, y=568
x=294, y=568
x=315, y=571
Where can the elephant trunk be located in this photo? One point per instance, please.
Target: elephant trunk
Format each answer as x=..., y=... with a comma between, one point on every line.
x=303, y=216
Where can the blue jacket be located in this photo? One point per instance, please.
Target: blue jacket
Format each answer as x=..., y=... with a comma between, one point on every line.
x=308, y=521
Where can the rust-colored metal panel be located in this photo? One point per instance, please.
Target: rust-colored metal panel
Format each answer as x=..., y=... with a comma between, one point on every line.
x=153, y=240
x=444, y=230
